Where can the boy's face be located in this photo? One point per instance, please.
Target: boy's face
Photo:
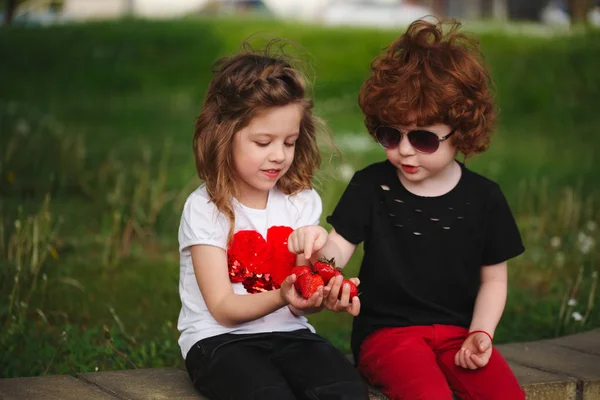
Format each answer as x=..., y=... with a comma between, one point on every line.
x=422, y=168
x=263, y=152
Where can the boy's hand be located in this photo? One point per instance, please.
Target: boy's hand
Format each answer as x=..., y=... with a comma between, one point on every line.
x=475, y=351
x=344, y=303
x=295, y=300
x=307, y=240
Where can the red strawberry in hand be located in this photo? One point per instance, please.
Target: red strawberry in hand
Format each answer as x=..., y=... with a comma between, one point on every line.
x=353, y=289
x=308, y=283
x=326, y=268
x=300, y=270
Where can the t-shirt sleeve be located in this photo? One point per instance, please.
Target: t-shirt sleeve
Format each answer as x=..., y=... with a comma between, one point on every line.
x=202, y=223
x=351, y=216
x=310, y=208
x=503, y=239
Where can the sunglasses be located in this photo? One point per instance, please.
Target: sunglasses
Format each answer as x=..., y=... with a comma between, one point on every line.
x=421, y=140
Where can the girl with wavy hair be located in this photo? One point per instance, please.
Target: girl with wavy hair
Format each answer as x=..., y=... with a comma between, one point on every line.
x=243, y=330
x=437, y=236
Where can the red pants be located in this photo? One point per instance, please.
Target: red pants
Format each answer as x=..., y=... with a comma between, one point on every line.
x=417, y=363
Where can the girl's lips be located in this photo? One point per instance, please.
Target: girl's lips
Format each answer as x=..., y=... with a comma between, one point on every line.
x=409, y=169
x=272, y=173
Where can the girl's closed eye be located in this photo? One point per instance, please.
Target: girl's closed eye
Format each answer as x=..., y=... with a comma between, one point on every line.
x=292, y=144
x=262, y=144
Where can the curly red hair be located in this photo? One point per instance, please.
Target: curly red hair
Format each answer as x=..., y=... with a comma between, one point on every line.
x=429, y=76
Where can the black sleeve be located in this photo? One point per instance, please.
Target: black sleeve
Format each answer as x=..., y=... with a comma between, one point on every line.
x=352, y=215
x=502, y=236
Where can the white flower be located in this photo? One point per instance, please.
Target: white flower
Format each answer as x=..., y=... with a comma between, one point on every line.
x=22, y=127
x=555, y=242
x=591, y=226
x=572, y=302
x=585, y=242
x=96, y=369
x=577, y=316
x=346, y=172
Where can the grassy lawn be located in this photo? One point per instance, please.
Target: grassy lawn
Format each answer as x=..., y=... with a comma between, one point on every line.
x=95, y=163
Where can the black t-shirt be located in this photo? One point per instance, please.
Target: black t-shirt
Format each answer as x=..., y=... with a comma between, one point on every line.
x=422, y=255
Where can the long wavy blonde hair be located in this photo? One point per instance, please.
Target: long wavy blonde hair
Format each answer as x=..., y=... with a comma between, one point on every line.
x=242, y=86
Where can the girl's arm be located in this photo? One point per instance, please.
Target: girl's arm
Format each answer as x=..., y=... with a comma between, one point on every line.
x=491, y=298
x=230, y=309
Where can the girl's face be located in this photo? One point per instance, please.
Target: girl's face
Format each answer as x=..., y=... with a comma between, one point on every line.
x=421, y=169
x=263, y=152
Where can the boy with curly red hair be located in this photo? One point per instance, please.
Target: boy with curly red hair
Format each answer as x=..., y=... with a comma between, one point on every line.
x=437, y=236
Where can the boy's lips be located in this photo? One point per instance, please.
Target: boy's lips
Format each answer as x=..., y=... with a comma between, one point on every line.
x=409, y=169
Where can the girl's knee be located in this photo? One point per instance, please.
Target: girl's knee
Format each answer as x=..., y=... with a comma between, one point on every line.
x=349, y=390
x=272, y=392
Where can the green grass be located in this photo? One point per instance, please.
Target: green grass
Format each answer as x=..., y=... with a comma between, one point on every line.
x=100, y=117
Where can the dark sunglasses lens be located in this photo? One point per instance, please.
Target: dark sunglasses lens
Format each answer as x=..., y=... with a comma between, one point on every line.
x=387, y=137
x=424, y=141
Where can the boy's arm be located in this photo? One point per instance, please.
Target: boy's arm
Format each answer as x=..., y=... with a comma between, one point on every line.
x=491, y=298
x=336, y=247
x=230, y=309
x=476, y=350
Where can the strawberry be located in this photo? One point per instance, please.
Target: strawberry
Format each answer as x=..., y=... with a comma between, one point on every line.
x=326, y=268
x=308, y=283
x=353, y=289
x=300, y=270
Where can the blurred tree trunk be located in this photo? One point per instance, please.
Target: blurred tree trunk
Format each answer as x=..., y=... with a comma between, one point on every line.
x=439, y=7
x=495, y=9
x=472, y=9
x=10, y=6
x=579, y=10
x=129, y=8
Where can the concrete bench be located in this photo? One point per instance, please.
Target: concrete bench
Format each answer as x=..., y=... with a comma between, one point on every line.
x=566, y=368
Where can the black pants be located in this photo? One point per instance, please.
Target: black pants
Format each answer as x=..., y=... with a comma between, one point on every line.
x=274, y=365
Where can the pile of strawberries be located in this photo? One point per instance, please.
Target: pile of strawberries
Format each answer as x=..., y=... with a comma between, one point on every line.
x=309, y=279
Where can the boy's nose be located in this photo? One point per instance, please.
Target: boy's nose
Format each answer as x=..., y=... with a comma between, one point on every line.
x=404, y=147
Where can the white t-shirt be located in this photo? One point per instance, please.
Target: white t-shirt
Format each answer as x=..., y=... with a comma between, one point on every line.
x=202, y=223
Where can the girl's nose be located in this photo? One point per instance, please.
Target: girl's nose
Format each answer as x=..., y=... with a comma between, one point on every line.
x=277, y=154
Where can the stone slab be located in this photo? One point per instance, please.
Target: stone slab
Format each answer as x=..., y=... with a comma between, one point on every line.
x=555, y=359
x=558, y=360
x=587, y=342
x=50, y=388
x=541, y=385
x=145, y=384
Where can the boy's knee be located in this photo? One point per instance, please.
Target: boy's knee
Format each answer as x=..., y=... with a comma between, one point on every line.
x=419, y=393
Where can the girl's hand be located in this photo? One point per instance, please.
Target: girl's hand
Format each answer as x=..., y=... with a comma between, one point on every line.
x=295, y=300
x=475, y=351
x=307, y=240
x=344, y=303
